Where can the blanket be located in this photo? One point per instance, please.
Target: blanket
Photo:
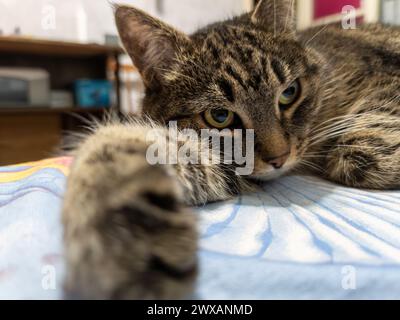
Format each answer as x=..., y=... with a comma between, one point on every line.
x=298, y=238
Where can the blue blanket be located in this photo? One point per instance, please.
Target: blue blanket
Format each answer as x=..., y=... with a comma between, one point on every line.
x=299, y=238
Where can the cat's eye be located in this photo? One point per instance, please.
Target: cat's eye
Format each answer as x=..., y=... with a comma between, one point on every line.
x=290, y=95
x=219, y=118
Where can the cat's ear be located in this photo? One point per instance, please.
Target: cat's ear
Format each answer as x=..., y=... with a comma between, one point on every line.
x=276, y=16
x=152, y=44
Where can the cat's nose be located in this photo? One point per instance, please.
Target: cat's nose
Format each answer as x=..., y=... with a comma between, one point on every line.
x=278, y=162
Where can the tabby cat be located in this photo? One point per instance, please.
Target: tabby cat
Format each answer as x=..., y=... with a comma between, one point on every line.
x=324, y=100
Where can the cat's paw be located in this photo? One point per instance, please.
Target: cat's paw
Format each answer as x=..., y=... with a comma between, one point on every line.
x=140, y=243
x=363, y=168
x=350, y=167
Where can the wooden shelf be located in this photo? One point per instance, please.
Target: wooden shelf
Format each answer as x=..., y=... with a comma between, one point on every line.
x=59, y=48
x=33, y=133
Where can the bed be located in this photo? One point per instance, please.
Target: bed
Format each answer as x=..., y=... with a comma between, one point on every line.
x=299, y=238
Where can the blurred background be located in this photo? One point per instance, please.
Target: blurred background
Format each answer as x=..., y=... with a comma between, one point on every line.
x=61, y=61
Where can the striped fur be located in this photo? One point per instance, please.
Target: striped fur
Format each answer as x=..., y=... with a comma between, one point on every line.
x=128, y=233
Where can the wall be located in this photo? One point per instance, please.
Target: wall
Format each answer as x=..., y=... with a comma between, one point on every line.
x=391, y=11
x=89, y=20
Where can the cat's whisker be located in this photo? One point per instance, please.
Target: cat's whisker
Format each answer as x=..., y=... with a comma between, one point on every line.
x=329, y=129
x=315, y=154
x=314, y=157
x=335, y=121
x=274, y=18
x=289, y=15
x=331, y=133
x=321, y=30
x=311, y=165
x=346, y=123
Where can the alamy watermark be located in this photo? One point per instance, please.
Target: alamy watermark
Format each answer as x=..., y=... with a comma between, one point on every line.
x=49, y=277
x=349, y=20
x=349, y=278
x=49, y=18
x=190, y=147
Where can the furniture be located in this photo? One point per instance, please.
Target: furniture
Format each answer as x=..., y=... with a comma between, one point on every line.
x=28, y=134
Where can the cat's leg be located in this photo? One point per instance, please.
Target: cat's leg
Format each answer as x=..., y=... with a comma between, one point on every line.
x=128, y=234
x=369, y=157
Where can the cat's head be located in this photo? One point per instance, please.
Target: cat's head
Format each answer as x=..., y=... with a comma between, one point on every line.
x=249, y=72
